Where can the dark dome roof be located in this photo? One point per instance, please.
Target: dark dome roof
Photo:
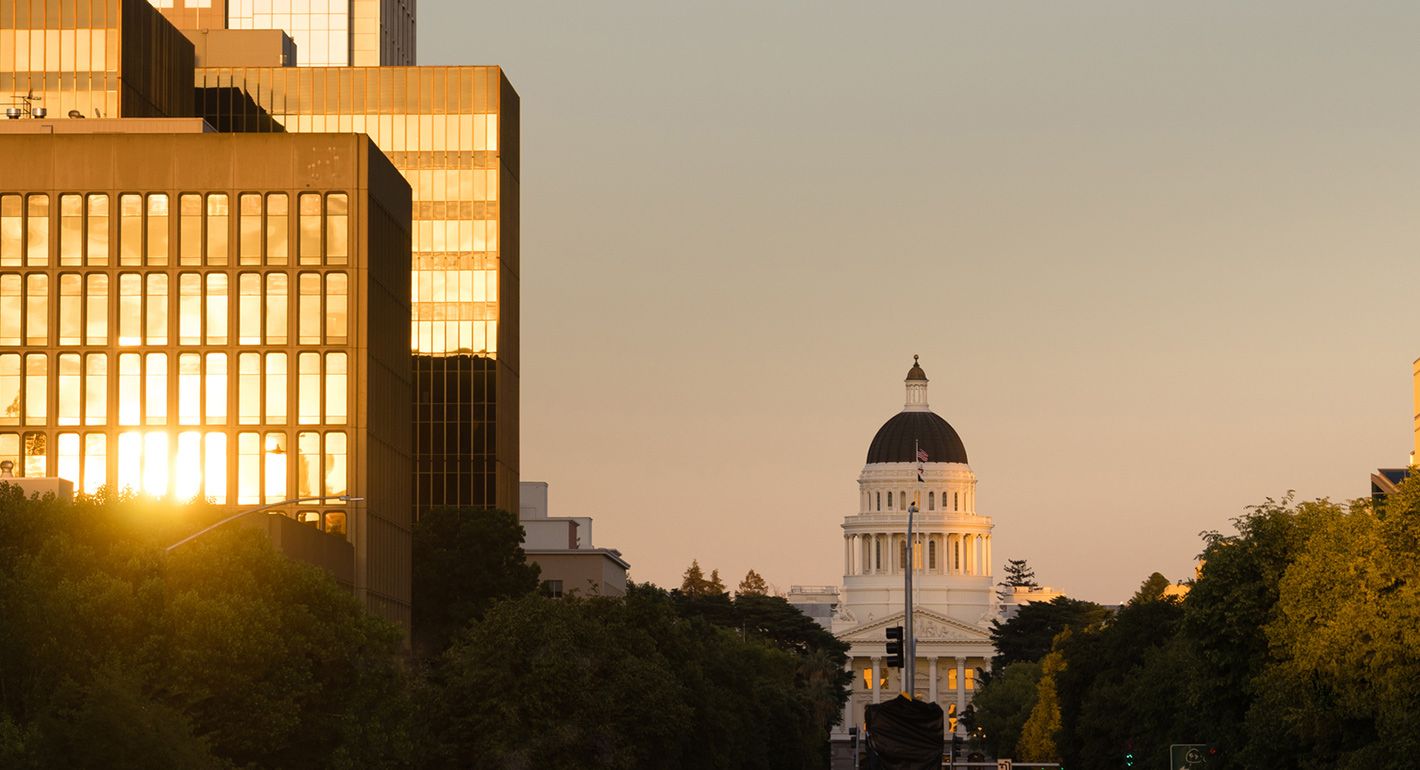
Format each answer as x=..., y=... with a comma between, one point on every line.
x=899, y=437
x=916, y=373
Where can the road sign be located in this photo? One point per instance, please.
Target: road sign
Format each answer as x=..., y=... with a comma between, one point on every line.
x=1187, y=756
x=1003, y=764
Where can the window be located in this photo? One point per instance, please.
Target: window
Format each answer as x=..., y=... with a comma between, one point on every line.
x=216, y=308
x=931, y=501
x=95, y=462
x=218, y=216
x=889, y=501
x=954, y=501
x=308, y=387
x=130, y=460
x=276, y=388
x=308, y=468
x=877, y=553
x=130, y=229
x=337, y=229
x=335, y=522
x=931, y=554
x=215, y=388
x=37, y=309
x=96, y=389
x=130, y=378
x=249, y=468
x=336, y=481
x=130, y=309
x=156, y=318
x=70, y=384
x=189, y=309
x=274, y=457
x=249, y=229
x=157, y=250
x=10, y=451
x=552, y=588
x=880, y=500
x=277, y=224
x=36, y=389
x=11, y=230
x=156, y=459
x=37, y=230
x=155, y=390
x=187, y=481
x=97, y=241
x=276, y=308
x=310, y=229
x=190, y=229
x=248, y=388
x=336, y=314
x=189, y=388
x=96, y=309
x=902, y=501
x=36, y=451
x=336, y=387
x=249, y=309
x=71, y=230
x=308, y=322
x=10, y=404
x=11, y=304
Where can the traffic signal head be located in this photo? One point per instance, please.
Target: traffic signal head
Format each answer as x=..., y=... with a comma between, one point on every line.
x=1128, y=759
x=894, y=647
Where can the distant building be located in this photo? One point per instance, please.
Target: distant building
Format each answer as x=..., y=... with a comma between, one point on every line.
x=562, y=547
x=818, y=602
x=1020, y=596
x=916, y=459
x=1385, y=480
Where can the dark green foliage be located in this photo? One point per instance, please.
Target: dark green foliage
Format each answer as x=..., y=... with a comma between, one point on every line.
x=463, y=561
x=1028, y=635
x=1004, y=705
x=222, y=654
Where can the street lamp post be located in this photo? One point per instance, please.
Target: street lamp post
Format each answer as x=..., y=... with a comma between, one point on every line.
x=269, y=506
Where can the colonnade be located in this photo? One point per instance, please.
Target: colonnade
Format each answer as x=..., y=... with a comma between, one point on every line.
x=950, y=681
x=936, y=553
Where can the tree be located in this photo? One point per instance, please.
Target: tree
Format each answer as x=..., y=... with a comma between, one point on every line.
x=752, y=585
x=693, y=583
x=717, y=586
x=1028, y=635
x=1004, y=705
x=1042, y=728
x=1152, y=589
x=463, y=561
x=1018, y=575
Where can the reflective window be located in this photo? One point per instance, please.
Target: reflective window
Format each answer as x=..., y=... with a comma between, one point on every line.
x=36, y=388
x=310, y=229
x=130, y=384
x=36, y=449
x=187, y=476
x=214, y=476
x=308, y=464
x=276, y=388
x=335, y=522
x=277, y=228
x=308, y=325
x=249, y=309
x=71, y=313
x=96, y=389
x=10, y=450
x=335, y=471
x=96, y=309
x=155, y=388
x=130, y=461
x=156, y=320
x=274, y=465
x=70, y=382
x=249, y=229
x=157, y=250
x=217, y=223
x=337, y=229
x=36, y=309
x=216, y=388
x=97, y=242
x=37, y=230
x=189, y=309
x=336, y=308
x=190, y=229
x=71, y=230
x=277, y=301
x=189, y=388
x=130, y=309
x=11, y=304
x=248, y=388
x=308, y=389
x=249, y=468
x=11, y=230
x=10, y=406
x=336, y=386
x=95, y=462
x=156, y=461
x=216, y=308
x=130, y=229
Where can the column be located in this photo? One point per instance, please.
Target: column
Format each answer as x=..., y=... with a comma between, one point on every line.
x=961, y=685
x=990, y=565
x=877, y=680
x=848, y=704
x=932, y=681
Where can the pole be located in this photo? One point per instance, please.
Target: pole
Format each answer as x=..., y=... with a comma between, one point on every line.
x=909, y=640
x=239, y=514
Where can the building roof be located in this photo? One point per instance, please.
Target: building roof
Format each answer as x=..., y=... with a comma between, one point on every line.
x=899, y=438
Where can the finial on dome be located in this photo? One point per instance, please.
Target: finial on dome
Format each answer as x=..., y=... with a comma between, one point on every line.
x=916, y=388
x=916, y=373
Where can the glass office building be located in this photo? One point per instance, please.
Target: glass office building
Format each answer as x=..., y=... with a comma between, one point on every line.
x=191, y=315
x=93, y=59
x=453, y=133
x=328, y=33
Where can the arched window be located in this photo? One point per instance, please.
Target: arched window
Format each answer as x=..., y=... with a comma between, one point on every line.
x=902, y=556
x=880, y=501
x=931, y=554
x=956, y=555
x=954, y=501
x=931, y=501
x=889, y=501
x=902, y=501
x=877, y=554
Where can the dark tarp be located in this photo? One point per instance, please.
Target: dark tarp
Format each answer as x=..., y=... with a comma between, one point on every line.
x=905, y=734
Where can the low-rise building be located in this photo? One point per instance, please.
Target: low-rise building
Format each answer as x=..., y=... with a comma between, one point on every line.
x=562, y=547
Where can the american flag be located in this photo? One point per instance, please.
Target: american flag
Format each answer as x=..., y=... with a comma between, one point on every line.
x=921, y=455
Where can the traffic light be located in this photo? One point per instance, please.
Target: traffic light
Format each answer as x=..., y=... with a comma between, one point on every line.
x=1128, y=759
x=894, y=647
x=956, y=746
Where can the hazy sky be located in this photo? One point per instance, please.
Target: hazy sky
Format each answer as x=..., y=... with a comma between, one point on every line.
x=1159, y=260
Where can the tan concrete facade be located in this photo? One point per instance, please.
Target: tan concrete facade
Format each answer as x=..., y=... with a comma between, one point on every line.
x=198, y=315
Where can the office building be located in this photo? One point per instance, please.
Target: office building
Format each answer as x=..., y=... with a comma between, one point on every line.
x=453, y=133
x=194, y=315
x=327, y=33
x=561, y=546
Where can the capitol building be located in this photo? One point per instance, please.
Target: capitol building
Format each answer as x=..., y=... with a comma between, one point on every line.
x=916, y=457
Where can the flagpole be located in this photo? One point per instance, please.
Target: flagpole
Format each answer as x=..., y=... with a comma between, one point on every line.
x=909, y=638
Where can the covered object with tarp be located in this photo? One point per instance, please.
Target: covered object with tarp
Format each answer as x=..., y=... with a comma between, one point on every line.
x=904, y=734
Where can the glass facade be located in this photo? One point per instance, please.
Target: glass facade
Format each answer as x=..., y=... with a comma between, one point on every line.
x=69, y=57
x=453, y=133
x=327, y=33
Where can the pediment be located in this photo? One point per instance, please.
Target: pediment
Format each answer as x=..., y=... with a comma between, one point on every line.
x=927, y=626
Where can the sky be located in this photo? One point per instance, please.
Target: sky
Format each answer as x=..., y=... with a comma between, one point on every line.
x=1159, y=262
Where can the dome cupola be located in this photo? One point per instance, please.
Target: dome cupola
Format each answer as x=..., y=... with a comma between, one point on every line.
x=916, y=427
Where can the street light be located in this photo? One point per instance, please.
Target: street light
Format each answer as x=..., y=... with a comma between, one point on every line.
x=239, y=514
